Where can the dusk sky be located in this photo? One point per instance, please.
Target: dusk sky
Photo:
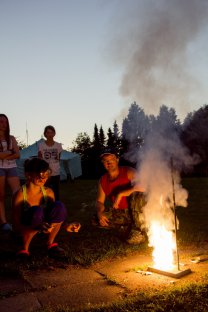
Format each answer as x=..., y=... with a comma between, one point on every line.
x=74, y=63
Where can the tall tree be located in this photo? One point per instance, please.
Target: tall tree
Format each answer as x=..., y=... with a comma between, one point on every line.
x=167, y=121
x=102, y=137
x=82, y=145
x=195, y=136
x=117, y=137
x=110, y=140
x=96, y=166
x=116, y=130
x=96, y=138
x=136, y=126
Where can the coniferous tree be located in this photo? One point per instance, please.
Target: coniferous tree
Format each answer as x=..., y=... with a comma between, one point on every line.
x=136, y=126
x=195, y=137
x=96, y=138
x=116, y=130
x=117, y=137
x=167, y=121
x=102, y=137
x=124, y=141
x=97, y=168
x=110, y=140
x=134, y=130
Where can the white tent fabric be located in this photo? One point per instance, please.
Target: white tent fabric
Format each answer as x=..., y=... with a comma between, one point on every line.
x=70, y=162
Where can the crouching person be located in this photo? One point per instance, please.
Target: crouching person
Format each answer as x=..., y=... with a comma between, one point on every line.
x=35, y=210
x=126, y=198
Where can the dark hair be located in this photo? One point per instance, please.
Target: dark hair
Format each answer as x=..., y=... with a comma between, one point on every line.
x=7, y=133
x=49, y=128
x=35, y=166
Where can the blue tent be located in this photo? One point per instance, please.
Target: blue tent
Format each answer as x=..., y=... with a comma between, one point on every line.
x=70, y=162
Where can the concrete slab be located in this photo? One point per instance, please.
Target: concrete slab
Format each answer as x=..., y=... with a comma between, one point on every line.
x=10, y=286
x=74, y=287
x=105, y=282
x=81, y=295
x=124, y=273
x=26, y=302
x=60, y=277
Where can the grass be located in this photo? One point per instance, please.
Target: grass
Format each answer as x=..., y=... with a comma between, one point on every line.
x=93, y=244
x=173, y=301
x=194, y=219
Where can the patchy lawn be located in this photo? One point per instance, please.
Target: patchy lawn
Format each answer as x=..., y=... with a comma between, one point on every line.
x=93, y=245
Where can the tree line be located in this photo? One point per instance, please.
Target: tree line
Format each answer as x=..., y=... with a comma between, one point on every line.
x=135, y=127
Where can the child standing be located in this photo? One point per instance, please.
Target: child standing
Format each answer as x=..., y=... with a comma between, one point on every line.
x=50, y=151
x=9, y=152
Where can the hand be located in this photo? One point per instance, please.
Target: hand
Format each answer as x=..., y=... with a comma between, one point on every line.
x=103, y=220
x=73, y=227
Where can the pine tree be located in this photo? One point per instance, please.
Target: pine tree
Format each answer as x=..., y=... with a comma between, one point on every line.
x=110, y=140
x=102, y=137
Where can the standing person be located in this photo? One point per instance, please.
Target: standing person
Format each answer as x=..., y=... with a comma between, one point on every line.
x=35, y=210
x=9, y=152
x=117, y=184
x=50, y=151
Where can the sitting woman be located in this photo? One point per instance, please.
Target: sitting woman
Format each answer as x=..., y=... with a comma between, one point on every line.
x=35, y=210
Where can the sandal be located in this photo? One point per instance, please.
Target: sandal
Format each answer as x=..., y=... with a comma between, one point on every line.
x=23, y=255
x=55, y=252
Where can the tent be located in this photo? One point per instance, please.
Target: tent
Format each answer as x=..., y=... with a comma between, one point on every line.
x=70, y=162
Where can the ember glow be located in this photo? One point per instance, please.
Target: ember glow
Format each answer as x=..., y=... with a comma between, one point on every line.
x=164, y=246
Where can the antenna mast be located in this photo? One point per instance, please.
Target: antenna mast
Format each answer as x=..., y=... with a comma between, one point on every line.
x=26, y=134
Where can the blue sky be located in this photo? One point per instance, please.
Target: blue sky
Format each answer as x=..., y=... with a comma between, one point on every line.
x=66, y=62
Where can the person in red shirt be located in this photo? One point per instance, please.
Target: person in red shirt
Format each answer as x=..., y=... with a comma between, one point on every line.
x=117, y=185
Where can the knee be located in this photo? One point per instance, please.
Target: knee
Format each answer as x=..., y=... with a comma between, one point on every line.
x=58, y=205
x=59, y=211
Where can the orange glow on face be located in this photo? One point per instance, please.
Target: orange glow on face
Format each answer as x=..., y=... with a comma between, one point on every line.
x=110, y=161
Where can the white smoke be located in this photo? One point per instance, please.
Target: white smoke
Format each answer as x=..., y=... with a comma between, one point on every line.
x=162, y=159
x=158, y=45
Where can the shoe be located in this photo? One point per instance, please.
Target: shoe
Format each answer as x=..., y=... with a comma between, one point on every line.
x=55, y=252
x=6, y=227
x=23, y=255
x=135, y=238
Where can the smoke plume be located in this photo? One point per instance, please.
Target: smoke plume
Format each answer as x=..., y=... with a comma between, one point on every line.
x=162, y=159
x=157, y=43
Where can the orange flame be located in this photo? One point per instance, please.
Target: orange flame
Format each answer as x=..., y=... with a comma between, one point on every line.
x=164, y=246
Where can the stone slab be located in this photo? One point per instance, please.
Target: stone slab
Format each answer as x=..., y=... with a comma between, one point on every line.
x=81, y=295
x=26, y=302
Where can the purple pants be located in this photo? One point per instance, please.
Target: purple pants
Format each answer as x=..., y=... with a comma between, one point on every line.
x=35, y=215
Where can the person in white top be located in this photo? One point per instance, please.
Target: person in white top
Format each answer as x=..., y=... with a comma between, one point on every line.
x=50, y=151
x=9, y=152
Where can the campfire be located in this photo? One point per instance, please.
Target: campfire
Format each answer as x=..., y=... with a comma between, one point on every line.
x=164, y=246
x=161, y=162
x=163, y=238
